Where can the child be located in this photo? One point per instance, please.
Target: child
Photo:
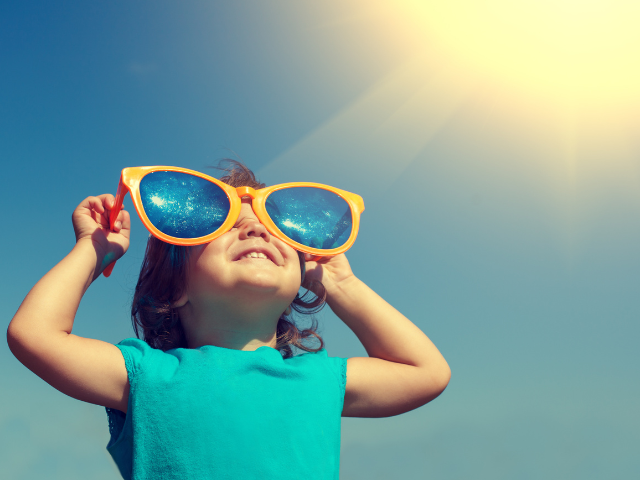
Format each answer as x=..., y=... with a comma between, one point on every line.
x=214, y=390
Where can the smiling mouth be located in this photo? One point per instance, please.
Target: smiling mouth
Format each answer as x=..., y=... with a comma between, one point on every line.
x=255, y=256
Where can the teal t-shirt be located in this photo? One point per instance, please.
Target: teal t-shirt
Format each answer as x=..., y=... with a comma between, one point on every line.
x=218, y=413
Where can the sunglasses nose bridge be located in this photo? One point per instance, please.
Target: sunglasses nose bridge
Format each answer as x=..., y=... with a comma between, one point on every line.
x=246, y=192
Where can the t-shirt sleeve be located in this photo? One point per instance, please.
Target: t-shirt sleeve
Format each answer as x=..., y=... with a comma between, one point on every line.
x=338, y=368
x=135, y=352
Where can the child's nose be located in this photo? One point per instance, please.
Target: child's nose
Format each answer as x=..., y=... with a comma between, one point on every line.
x=250, y=226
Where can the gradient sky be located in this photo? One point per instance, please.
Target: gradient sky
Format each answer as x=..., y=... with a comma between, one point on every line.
x=499, y=168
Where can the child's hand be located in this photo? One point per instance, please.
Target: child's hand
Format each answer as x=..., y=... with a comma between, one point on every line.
x=331, y=271
x=91, y=222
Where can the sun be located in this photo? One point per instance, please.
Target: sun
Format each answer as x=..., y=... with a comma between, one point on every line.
x=575, y=54
x=560, y=76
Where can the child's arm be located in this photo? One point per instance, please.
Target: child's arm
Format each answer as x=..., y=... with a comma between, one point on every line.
x=39, y=334
x=404, y=369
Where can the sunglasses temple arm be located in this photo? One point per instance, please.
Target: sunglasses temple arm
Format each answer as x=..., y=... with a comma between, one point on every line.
x=113, y=215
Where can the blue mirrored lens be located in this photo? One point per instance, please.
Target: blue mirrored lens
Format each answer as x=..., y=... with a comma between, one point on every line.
x=311, y=216
x=183, y=205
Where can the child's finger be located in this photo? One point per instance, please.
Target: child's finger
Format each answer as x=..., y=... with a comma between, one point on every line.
x=100, y=218
x=123, y=221
x=126, y=219
x=93, y=204
x=108, y=200
x=309, y=257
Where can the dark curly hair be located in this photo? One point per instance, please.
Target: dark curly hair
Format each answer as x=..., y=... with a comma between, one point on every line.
x=163, y=278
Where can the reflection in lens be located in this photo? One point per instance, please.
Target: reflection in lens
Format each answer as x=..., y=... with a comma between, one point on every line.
x=183, y=205
x=314, y=217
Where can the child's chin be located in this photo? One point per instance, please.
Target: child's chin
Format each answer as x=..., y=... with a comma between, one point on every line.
x=269, y=284
x=260, y=281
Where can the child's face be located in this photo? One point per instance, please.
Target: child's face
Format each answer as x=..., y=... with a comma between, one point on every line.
x=222, y=270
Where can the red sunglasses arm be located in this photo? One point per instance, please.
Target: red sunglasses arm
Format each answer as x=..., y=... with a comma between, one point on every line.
x=113, y=215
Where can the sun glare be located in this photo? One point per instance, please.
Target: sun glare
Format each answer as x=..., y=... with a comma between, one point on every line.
x=568, y=51
x=560, y=76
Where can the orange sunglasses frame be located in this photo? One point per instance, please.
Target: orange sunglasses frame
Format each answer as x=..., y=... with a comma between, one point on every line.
x=130, y=182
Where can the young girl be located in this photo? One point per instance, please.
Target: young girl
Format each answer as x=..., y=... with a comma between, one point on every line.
x=214, y=390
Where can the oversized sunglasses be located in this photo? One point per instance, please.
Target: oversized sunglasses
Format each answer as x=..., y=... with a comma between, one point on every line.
x=185, y=207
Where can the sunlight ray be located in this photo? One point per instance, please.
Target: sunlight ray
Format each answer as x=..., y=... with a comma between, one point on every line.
x=382, y=131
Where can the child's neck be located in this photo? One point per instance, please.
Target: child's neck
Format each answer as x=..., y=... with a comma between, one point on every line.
x=237, y=328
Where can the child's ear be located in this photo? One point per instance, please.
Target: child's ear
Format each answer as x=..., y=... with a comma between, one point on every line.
x=180, y=302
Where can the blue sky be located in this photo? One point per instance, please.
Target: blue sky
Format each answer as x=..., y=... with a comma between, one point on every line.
x=500, y=221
